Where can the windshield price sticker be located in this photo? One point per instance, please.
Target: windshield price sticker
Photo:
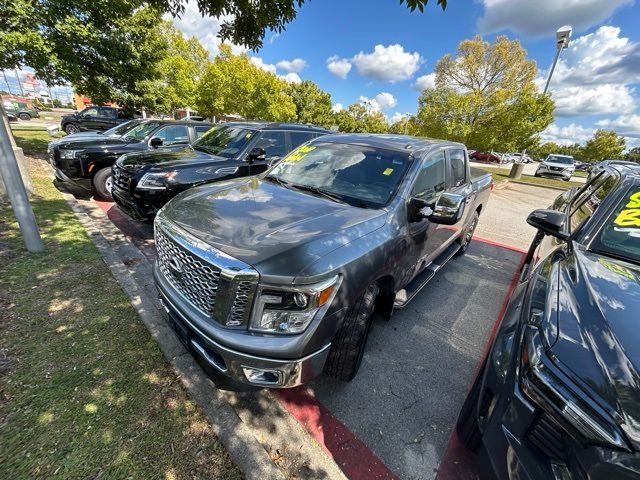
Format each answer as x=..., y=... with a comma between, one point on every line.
x=630, y=216
x=388, y=171
x=299, y=153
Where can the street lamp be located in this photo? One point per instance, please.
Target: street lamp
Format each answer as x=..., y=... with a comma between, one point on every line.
x=563, y=35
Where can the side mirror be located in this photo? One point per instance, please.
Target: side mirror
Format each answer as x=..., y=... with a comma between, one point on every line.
x=549, y=222
x=419, y=210
x=448, y=209
x=256, y=153
x=155, y=142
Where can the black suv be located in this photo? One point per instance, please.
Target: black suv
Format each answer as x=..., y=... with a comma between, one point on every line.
x=144, y=182
x=94, y=118
x=88, y=164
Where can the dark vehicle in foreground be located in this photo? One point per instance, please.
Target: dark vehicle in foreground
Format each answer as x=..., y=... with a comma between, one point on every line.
x=558, y=396
x=88, y=164
x=598, y=167
x=144, y=182
x=490, y=157
x=270, y=280
x=94, y=118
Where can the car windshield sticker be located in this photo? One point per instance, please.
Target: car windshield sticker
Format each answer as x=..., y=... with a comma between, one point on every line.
x=299, y=153
x=388, y=171
x=630, y=216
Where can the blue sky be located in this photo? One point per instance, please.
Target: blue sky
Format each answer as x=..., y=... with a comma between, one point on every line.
x=380, y=51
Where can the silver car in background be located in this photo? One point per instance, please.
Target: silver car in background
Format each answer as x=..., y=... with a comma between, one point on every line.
x=556, y=165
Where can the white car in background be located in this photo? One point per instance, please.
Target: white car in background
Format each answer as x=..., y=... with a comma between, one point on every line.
x=556, y=165
x=520, y=158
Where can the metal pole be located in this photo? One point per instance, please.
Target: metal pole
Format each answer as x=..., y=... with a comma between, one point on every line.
x=19, y=82
x=553, y=67
x=7, y=82
x=10, y=174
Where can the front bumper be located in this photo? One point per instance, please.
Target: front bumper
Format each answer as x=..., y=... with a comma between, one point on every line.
x=242, y=367
x=142, y=207
x=554, y=173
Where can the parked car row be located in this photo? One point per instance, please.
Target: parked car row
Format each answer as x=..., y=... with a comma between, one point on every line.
x=499, y=158
x=558, y=395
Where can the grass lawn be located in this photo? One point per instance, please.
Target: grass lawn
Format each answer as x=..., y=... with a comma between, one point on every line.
x=33, y=140
x=503, y=174
x=580, y=173
x=84, y=390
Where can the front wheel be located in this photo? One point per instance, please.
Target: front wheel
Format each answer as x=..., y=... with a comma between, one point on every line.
x=467, y=235
x=467, y=426
x=24, y=116
x=347, y=348
x=103, y=182
x=70, y=128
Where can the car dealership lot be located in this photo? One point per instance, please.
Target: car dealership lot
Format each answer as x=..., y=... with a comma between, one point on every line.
x=399, y=412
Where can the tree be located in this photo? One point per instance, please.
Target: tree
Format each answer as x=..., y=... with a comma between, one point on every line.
x=633, y=155
x=245, y=23
x=605, y=144
x=357, y=118
x=313, y=105
x=485, y=97
x=232, y=84
x=104, y=49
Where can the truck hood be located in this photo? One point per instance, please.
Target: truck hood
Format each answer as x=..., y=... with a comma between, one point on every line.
x=169, y=159
x=277, y=230
x=89, y=141
x=599, y=331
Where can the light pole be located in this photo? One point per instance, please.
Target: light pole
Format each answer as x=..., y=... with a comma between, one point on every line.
x=563, y=35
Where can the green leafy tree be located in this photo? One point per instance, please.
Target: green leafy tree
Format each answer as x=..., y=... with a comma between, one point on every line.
x=405, y=126
x=485, y=97
x=231, y=84
x=313, y=105
x=633, y=155
x=356, y=118
x=104, y=49
x=605, y=144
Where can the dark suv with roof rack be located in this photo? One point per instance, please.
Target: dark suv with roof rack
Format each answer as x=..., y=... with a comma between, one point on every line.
x=144, y=182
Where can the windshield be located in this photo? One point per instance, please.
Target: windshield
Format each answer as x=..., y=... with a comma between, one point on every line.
x=224, y=141
x=620, y=236
x=560, y=159
x=359, y=175
x=122, y=128
x=140, y=132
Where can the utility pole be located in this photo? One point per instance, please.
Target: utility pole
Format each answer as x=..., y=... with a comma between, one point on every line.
x=14, y=186
x=563, y=36
x=7, y=82
x=19, y=82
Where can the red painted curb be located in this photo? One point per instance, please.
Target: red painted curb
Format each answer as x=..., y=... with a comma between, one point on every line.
x=353, y=457
x=499, y=244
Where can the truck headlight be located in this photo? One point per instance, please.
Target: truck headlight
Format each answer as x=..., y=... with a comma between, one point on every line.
x=155, y=181
x=69, y=154
x=291, y=309
x=547, y=387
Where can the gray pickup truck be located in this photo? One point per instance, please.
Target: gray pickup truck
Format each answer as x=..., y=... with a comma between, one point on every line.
x=270, y=280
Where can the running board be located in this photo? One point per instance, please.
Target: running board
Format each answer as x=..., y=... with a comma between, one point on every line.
x=404, y=296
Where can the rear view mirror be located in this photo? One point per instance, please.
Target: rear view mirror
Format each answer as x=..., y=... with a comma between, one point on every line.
x=256, y=153
x=448, y=209
x=155, y=142
x=550, y=222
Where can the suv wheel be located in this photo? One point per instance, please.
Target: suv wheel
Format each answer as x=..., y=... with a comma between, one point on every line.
x=467, y=426
x=467, y=235
x=24, y=116
x=349, y=343
x=102, y=182
x=71, y=128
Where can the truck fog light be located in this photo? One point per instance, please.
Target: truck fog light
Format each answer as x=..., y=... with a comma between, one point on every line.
x=262, y=376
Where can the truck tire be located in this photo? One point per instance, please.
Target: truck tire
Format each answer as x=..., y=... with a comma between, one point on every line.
x=102, y=183
x=467, y=235
x=467, y=426
x=347, y=348
x=71, y=128
x=24, y=116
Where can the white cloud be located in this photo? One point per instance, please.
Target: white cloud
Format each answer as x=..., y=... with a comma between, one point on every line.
x=192, y=24
x=566, y=135
x=627, y=125
x=425, y=81
x=337, y=107
x=388, y=64
x=273, y=38
x=396, y=117
x=296, y=65
x=382, y=101
x=543, y=17
x=340, y=67
x=595, y=75
x=267, y=67
x=291, y=77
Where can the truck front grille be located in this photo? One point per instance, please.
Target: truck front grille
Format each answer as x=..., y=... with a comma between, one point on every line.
x=546, y=436
x=223, y=293
x=121, y=177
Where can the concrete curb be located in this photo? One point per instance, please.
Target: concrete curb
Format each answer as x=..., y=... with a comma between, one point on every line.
x=262, y=438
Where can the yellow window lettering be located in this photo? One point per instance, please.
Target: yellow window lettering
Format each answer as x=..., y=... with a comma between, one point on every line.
x=299, y=153
x=634, y=200
x=628, y=218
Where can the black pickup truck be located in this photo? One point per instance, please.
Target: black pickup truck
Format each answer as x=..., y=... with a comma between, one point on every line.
x=144, y=182
x=558, y=395
x=95, y=118
x=87, y=164
x=273, y=278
